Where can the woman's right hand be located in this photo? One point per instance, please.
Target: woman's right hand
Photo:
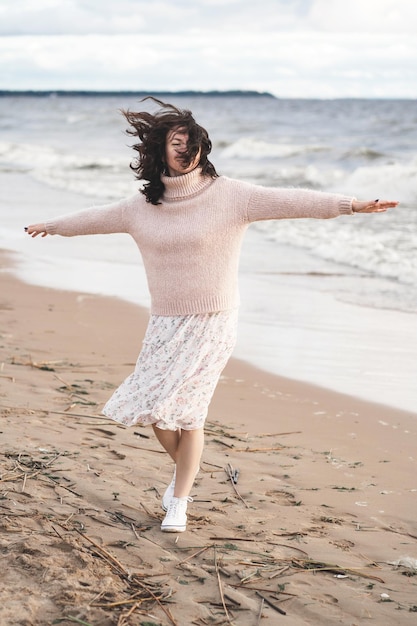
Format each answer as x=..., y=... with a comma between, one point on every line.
x=36, y=229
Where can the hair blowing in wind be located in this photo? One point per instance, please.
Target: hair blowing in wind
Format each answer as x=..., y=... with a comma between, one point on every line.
x=151, y=129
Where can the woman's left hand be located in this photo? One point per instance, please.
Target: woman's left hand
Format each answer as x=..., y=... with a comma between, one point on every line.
x=372, y=206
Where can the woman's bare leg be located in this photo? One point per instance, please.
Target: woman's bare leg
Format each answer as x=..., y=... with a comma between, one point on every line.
x=169, y=440
x=189, y=451
x=185, y=447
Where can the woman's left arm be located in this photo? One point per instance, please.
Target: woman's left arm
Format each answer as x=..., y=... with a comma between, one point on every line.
x=267, y=203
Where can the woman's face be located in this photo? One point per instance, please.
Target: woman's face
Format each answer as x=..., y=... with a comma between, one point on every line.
x=175, y=150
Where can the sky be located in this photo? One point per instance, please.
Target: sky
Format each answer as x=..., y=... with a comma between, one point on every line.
x=290, y=48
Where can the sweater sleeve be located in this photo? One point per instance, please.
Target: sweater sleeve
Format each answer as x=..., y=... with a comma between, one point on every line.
x=96, y=220
x=268, y=203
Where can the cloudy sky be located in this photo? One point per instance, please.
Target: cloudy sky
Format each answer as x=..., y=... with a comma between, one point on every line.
x=291, y=48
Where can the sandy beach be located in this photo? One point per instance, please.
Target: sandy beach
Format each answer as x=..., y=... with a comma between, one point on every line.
x=319, y=527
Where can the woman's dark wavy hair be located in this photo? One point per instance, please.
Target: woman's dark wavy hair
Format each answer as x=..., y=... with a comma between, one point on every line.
x=152, y=129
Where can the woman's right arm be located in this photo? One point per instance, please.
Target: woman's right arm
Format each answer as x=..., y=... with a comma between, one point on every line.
x=101, y=220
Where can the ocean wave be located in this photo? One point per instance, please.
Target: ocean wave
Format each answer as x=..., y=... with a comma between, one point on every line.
x=89, y=175
x=376, y=244
x=38, y=156
x=364, y=153
x=250, y=148
x=397, y=181
x=246, y=159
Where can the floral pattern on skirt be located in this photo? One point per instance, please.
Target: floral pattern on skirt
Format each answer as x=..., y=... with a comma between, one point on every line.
x=177, y=371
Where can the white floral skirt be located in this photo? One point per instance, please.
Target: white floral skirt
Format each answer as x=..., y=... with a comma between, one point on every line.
x=177, y=371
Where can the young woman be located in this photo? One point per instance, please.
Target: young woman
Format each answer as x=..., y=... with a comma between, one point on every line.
x=188, y=223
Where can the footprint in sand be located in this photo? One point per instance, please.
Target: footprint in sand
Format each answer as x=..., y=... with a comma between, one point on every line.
x=284, y=498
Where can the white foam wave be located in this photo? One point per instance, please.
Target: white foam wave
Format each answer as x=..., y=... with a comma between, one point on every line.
x=248, y=147
x=100, y=184
x=397, y=181
x=375, y=244
x=36, y=156
x=90, y=175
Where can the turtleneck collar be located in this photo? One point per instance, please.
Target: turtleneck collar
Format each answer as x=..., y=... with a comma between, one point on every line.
x=185, y=186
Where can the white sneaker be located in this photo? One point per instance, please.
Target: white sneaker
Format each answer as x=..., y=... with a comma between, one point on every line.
x=175, y=520
x=169, y=492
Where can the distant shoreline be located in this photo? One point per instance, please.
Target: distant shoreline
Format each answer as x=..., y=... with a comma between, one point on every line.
x=157, y=94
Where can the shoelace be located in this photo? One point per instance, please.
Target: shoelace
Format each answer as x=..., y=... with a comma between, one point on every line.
x=177, y=504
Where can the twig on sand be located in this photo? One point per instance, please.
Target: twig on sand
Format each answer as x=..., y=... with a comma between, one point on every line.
x=279, y=572
x=218, y=467
x=122, y=621
x=216, y=566
x=232, y=476
x=283, y=545
x=149, y=512
x=157, y=600
x=232, y=539
x=21, y=465
x=129, y=445
x=271, y=604
x=109, y=558
x=293, y=432
x=123, y=617
x=64, y=382
x=317, y=566
x=56, y=482
x=393, y=530
x=78, y=415
x=223, y=443
x=132, y=526
x=121, y=570
x=240, y=586
x=271, y=449
x=42, y=365
x=11, y=378
x=258, y=621
x=75, y=620
x=195, y=554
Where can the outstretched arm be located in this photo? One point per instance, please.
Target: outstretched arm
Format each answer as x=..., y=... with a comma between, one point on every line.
x=97, y=220
x=267, y=203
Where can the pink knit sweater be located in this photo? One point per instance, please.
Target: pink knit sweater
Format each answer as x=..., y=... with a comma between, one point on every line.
x=190, y=244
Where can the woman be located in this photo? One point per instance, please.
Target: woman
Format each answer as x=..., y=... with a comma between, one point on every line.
x=188, y=223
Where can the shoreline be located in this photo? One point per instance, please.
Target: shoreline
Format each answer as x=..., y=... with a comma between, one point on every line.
x=301, y=317
x=302, y=323
x=325, y=479
x=235, y=363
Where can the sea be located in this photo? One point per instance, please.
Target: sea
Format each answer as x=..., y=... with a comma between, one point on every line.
x=330, y=302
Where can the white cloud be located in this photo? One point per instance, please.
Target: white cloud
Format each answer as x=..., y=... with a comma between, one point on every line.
x=26, y=17
x=295, y=48
x=57, y=17
x=363, y=16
